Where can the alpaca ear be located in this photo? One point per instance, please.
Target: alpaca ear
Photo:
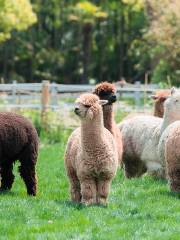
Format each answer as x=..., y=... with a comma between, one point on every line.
x=154, y=97
x=173, y=90
x=103, y=102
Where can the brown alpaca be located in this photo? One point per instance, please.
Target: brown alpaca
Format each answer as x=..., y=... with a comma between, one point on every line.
x=91, y=156
x=172, y=157
x=159, y=99
x=107, y=91
x=169, y=151
x=18, y=141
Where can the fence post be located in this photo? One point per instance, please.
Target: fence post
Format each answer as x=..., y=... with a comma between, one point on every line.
x=145, y=89
x=13, y=100
x=54, y=101
x=137, y=95
x=44, y=101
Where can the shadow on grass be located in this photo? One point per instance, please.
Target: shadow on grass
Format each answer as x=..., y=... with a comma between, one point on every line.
x=78, y=206
x=7, y=193
x=171, y=194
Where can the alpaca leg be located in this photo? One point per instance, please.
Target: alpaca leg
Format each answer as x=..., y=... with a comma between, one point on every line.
x=75, y=189
x=174, y=179
x=133, y=167
x=29, y=176
x=7, y=177
x=88, y=191
x=27, y=169
x=103, y=187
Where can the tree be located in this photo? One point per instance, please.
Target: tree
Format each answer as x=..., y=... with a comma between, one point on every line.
x=15, y=15
x=163, y=36
x=86, y=14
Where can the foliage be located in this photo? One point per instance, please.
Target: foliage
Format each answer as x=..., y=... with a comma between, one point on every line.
x=15, y=15
x=75, y=41
x=163, y=35
x=86, y=12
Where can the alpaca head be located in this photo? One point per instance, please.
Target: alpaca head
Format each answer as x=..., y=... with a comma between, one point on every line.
x=159, y=99
x=88, y=106
x=172, y=104
x=106, y=91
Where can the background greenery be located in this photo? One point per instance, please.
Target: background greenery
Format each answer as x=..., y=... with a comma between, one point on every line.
x=74, y=41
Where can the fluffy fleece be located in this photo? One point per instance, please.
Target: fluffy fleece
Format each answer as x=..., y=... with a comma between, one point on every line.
x=107, y=91
x=141, y=136
x=91, y=156
x=18, y=141
x=169, y=143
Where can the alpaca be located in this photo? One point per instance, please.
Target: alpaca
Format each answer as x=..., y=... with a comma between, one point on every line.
x=169, y=145
x=107, y=91
x=18, y=141
x=158, y=110
x=159, y=99
x=91, y=159
x=170, y=142
x=141, y=136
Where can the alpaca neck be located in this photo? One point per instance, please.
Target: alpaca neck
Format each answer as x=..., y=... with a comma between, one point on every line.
x=108, y=117
x=168, y=119
x=92, y=132
x=157, y=110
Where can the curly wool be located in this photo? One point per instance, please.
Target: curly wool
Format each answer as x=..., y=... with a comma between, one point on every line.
x=91, y=157
x=105, y=90
x=18, y=141
x=169, y=153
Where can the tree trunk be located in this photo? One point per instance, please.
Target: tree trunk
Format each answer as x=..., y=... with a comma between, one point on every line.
x=121, y=46
x=87, y=29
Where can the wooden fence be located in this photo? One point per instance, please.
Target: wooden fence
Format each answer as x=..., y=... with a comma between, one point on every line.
x=47, y=95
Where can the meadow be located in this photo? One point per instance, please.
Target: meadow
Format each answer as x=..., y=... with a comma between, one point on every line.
x=138, y=209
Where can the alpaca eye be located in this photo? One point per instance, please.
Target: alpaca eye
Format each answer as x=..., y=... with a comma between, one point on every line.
x=87, y=106
x=176, y=101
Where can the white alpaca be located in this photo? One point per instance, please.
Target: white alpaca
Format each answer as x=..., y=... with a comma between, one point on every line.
x=91, y=155
x=141, y=135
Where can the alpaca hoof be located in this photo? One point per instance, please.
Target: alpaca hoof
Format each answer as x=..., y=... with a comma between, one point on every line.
x=175, y=187
x=4, y=190
x=102, y=201
x=88, y=202
x=32, y=194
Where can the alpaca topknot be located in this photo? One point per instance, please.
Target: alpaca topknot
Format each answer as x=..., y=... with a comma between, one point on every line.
x=104, y=88
x=162, y=94
x=88, y=99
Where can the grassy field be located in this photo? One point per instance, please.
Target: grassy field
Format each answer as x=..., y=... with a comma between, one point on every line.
x=138, y=209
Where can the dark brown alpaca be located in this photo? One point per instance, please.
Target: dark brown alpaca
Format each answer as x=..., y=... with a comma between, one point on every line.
x=107, y=91
x=18, y=141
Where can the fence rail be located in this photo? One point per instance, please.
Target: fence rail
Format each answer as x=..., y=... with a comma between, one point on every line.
x=47, y=95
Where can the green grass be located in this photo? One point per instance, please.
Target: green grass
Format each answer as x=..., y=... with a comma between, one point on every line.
x=138, y=209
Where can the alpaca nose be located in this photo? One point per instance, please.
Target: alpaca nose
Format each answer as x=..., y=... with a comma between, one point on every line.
x=113, y=98
x=76, y=110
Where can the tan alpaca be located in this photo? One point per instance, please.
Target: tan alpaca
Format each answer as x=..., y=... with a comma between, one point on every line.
x=107, y=91
x=169, y=144
x=159, y=98
x=91, y=155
